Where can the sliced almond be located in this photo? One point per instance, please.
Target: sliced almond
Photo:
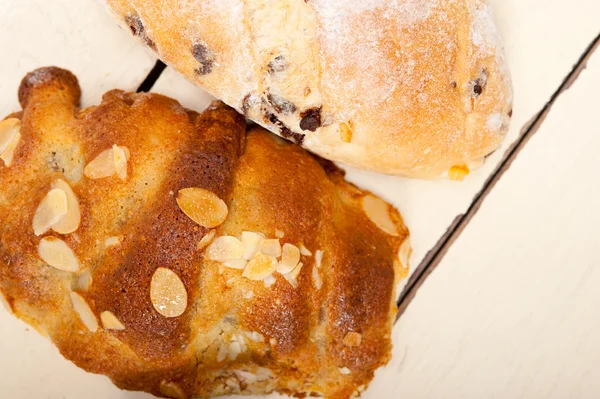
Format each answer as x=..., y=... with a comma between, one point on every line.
x=70, y=221
x=271, y=247
x=255, y=336
x=259, y=267
x=120, y=160
x=264, y=374
x=316, y=277
x=84, y=311
x=318, y=258
x=222, y=353
x=225, y=248
x=293, y=282
x=242, y=340
x=112, y=241
x=246, y=376
x=110, y=321
x=56, y=253
x=290, y=256
x=279, y=234
x=251, y=241
x=233, y=384
x=292, y=277
x=202, y=206
x=304, y=251
x=269, y=281
x=352, y=339
x=8, y=153
x=404, y=252
x=102, y=166
x=9, y=129
x=239, y=264
x=84, y=281
x=378, y=211
x=294, y=273
x=206, y=240
x=235, y=348
x=50, y=210
x=108, y=163
x=167, y=293
x=172, y=390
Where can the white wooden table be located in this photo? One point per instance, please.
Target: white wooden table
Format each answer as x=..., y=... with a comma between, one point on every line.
x=509, y=311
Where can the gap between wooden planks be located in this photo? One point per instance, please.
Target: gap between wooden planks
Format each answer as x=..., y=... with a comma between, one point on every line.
x=152, y=77
x=437, y=253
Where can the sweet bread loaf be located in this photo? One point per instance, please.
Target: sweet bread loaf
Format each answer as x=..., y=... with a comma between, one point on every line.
x=408, y=87
x=179, y=255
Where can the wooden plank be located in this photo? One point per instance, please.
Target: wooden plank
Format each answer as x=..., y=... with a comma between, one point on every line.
x=77, y=35
x=174, y=85
x=511, y=311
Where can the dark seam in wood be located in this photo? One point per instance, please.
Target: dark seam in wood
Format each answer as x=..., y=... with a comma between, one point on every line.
x=152, y=77
x=437, y=253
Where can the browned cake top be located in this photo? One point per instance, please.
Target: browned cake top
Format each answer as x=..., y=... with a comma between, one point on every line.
x=179, y=255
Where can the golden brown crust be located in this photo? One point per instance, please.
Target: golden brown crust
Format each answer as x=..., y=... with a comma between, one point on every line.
x=49, y=80
x=235, y=335
x=206, y=158
x=402, y=87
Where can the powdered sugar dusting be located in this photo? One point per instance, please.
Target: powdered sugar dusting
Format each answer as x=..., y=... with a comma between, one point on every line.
x=487, y=41
x=484, y=34
x=394, y=71
x=358, y=68
x=405, y=12
x=494, y=122
x=231, y=15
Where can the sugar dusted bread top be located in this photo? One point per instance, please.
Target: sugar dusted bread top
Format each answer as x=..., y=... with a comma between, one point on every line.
x=408, y=87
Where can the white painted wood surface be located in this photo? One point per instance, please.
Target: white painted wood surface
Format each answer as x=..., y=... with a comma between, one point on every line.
x=74, y=34
x=512, y=310
x=544, y=38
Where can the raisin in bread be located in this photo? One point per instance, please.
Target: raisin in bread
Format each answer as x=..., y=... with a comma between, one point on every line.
x=410, y=87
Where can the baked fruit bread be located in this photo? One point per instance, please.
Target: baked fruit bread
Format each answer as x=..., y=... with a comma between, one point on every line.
x=178, y=255
x=407, y=87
